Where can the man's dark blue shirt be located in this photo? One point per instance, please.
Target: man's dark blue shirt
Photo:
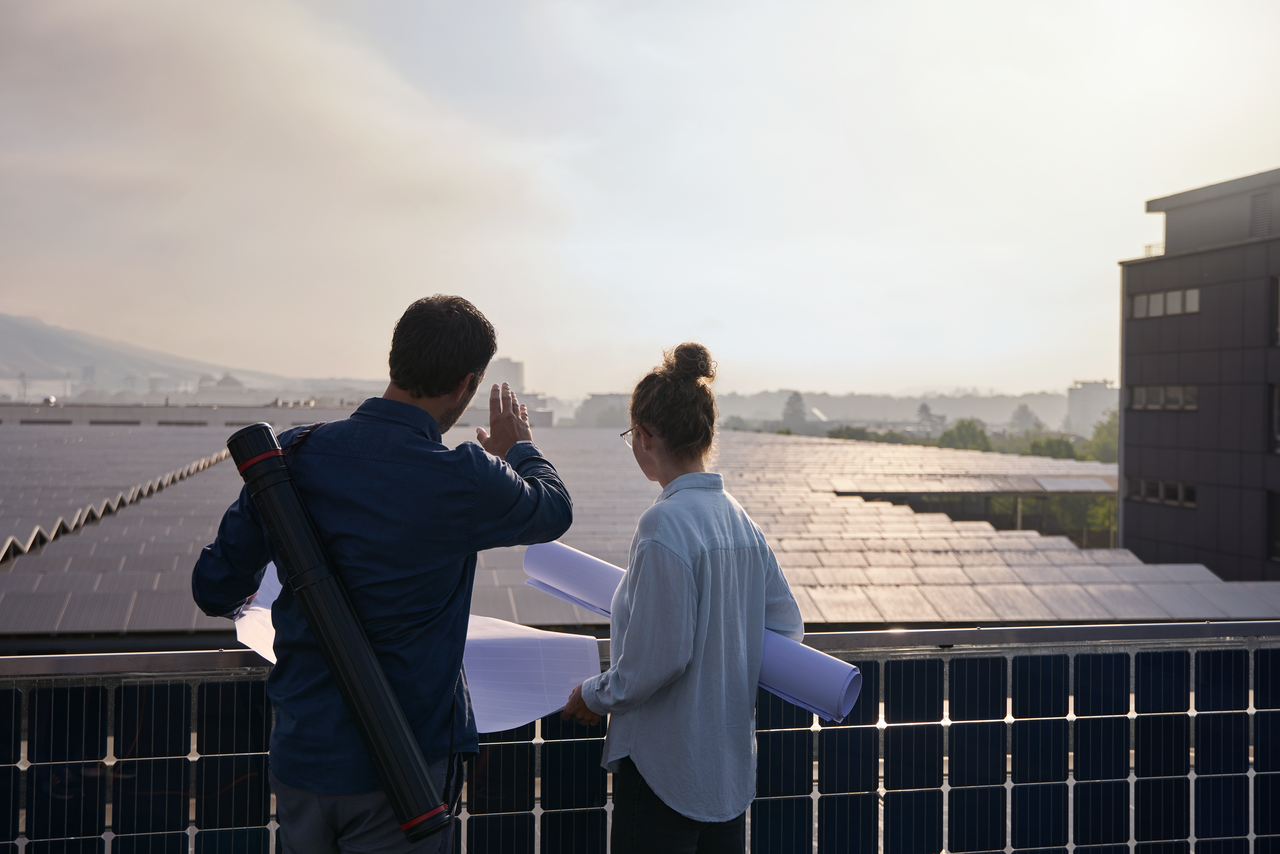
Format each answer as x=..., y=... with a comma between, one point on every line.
x=402, y=517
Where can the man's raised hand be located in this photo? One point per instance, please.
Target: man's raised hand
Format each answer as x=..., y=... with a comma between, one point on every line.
x=508, y=419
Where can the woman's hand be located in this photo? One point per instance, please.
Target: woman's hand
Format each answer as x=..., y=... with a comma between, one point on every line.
x=576, y=709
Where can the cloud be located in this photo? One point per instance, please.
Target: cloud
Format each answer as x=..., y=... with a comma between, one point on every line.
x=239, y=182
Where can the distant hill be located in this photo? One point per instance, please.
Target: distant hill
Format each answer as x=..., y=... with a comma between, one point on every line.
x=43, y=352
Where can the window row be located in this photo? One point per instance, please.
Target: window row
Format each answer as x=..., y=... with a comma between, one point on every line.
x=1164, y=397
x=1169, y=302
x=1162, y=492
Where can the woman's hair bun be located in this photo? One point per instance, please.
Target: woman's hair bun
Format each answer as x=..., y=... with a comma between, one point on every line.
x=690, y=361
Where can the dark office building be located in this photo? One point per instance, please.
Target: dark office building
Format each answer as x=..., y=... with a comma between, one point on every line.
x=1200, y=369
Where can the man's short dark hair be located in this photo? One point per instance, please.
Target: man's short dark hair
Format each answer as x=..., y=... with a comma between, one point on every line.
x=437, y=342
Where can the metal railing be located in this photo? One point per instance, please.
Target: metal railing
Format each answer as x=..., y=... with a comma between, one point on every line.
x=1152, y=250
x=1153, y=736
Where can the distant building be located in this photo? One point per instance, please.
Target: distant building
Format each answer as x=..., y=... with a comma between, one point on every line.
x=1088, y=403
x=1200, y=373
x=604, y=410
x=505, y=371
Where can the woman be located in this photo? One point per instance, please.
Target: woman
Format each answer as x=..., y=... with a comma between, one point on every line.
x=687, y=633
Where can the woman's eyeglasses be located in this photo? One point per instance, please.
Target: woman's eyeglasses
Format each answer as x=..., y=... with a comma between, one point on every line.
x=628, y=436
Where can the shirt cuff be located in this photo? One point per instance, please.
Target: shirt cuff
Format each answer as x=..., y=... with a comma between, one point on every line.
x=589, y=695
x=521, y=451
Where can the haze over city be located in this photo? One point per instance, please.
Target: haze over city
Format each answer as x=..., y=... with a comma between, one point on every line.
x=832, y=197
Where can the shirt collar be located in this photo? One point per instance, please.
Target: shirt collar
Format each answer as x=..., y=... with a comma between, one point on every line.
x=401, y=413
x=693, y=480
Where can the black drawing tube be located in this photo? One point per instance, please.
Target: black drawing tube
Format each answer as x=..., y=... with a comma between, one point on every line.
x=363, y=684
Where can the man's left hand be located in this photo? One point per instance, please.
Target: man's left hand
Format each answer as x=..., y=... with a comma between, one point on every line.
x=576, y=709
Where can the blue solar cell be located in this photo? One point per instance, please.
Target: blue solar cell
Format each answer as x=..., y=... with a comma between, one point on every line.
x=1266, y=804
x=67, y=724
x=1039, y=815
x=232, y=717
x=978, y=689
x=255, y=840
x=152, y=720
x=848, y=760
x=1103, y=849
x=784, y=763
x=1040, y=686
x=913, y=757
x=571, y=775
x=1266, y=679
x=913, y=691
x=1161, y=808
x=10, y=783
x=1102, y=684
x=1101, y=749
x=976, y=754
x=500, y=779
x=1266, y=845
x=153, y=843
x=913, y=822
x=66, y=800
x=576, y=831
x=1222, y=744
x=866, y=712
x=1222, y=680
x=150, y=795
x=849, y=824
x=555, y=729
x=520, y=733
x=500, y=834
x=976, y=819
x=773, y=712
x=1222, y=806
x=782, y=824
x=1161, y=745
x=1172, y=847
x=1101, y=813
x=1266, y=741
x=1224, y=846
x=1161, y=681
x=232, y=791
x=1039, y=750
x=10, y=726
x=67, y=846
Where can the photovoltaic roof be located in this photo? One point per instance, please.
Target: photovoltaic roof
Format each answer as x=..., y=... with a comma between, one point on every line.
x=850, y=561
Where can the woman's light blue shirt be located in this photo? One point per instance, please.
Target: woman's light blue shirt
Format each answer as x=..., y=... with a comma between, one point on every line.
x=687, y=630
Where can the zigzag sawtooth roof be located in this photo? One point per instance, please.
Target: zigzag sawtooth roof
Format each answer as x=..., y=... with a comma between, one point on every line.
x=850, y=561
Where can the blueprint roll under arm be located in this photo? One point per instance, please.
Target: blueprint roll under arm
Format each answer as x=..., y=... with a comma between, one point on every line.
x=364, y=687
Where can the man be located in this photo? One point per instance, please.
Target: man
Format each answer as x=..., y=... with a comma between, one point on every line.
x=402, y=517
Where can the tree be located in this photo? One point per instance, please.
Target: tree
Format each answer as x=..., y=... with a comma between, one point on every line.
x=847, y=432
x=1058, y=447
x=1025, y=421
x=794, y=413
x=969, y=433
x=1104, y=445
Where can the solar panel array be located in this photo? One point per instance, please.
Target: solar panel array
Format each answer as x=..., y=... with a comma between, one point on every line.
x=850, y=562
x=1101, y=747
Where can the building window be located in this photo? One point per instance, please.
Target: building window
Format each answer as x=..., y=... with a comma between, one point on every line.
x=1275, y=418
x=1164, y=397
x=1162, y=492
x=1167, y=303
x=1260, y=214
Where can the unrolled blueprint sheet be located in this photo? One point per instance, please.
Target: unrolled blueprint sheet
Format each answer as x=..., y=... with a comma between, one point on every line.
x=515, y=674
x=813, y=680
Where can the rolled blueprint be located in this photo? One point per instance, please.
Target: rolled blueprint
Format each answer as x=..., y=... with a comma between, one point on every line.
x=812, y=680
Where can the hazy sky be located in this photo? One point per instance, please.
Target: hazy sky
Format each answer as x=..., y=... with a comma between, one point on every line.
x=844, y=196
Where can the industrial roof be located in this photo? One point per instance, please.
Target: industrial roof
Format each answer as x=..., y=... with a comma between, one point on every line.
x=850, y=561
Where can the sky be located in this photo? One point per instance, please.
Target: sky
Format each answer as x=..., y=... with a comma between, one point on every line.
x=833, y=196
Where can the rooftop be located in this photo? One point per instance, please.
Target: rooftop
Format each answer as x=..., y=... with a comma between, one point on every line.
x=851, y=562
